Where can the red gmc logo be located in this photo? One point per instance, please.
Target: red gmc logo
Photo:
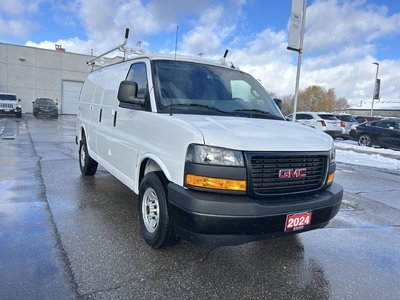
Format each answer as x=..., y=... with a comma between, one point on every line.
x=292, y=173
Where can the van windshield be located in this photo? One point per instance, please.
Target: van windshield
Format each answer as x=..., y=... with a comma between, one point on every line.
x=194, y=88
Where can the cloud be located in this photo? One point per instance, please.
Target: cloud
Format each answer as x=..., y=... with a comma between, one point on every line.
x=19, y=7
x=340, y=41
x=16, y=28
x=333, y=24
x=14, y=17
x=74, y=45
x=209, y=33
x=266, y=58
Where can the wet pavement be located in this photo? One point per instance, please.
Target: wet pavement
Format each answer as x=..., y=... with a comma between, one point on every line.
x=65, y=236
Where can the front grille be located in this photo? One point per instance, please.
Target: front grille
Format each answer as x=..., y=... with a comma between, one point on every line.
x=265, y=170
x=6, y=105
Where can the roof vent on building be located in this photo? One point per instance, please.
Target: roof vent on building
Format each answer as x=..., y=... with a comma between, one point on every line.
x=59, y=48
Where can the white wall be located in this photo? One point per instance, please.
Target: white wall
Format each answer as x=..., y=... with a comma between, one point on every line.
x=32, y=73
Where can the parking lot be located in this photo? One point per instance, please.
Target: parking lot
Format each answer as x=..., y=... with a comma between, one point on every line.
x=65, y=236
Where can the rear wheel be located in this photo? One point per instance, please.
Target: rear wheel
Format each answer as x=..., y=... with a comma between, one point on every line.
x=154, y=219
x=87, y=164
x=365, y=140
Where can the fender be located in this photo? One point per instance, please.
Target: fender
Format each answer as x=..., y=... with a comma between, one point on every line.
x=157, y=160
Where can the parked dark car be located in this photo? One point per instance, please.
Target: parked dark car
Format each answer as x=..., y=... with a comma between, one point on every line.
x=45, y=107
x=363, y=119
x=384, y=133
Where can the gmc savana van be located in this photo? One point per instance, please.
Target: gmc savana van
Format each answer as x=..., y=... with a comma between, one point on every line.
x=206, y=150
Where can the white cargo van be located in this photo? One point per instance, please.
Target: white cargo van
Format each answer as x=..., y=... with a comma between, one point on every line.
x=206, y=149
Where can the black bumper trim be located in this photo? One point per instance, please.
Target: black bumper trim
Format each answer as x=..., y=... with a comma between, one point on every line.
x=230, y=219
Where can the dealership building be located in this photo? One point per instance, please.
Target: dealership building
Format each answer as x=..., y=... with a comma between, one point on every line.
x=32, y=73
x=382, y=108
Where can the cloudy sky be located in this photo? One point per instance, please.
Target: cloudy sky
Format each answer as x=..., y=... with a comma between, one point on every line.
x=342, y=38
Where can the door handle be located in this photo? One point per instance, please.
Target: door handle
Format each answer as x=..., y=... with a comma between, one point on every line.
x=115, y=118
x=101, y=112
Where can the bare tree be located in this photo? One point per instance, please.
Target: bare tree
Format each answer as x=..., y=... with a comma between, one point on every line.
x=341, y=104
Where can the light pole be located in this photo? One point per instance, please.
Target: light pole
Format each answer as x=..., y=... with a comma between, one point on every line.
x=375, y=86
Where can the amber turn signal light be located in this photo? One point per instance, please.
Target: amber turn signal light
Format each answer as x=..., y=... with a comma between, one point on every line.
x=330, y=178
x=216, y=183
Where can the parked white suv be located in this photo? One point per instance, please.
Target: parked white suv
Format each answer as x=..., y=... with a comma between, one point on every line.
x=325, y=122
x=9, y=104
x=206, y=149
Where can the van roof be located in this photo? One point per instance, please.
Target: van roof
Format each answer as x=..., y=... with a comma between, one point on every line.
x=11, y=94
x=165, y=56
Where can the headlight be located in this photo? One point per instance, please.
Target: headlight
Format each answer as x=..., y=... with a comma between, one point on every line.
x=332, y=167
x=332, y=155
x=214, y=156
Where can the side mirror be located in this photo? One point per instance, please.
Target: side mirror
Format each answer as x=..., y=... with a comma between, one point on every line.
x=19, y=100
x=32, y=102
x=278, y=102
x=127, y=92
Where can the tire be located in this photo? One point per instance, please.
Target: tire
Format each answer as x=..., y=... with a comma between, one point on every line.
x=18, y=115
x=87, y=164
x=155, y=222
x=365, y=140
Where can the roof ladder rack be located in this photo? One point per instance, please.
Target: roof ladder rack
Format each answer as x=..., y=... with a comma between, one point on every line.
x=121, y=48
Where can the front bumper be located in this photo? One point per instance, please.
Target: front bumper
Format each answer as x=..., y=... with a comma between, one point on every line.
x=11, y=111
x=224, y=219
x=46, y=113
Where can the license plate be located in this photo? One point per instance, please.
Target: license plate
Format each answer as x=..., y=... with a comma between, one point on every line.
x=297, y=221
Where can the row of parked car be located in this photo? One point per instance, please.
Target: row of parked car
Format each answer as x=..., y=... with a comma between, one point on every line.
x=11, y=105
x=367, y=130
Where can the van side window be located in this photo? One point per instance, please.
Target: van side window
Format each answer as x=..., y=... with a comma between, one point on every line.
x=241, y=89
x=138, y=74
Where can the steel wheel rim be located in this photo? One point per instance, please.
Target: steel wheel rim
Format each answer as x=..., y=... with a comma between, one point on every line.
x=364, y=140
x=83, y=155
x=150, y=210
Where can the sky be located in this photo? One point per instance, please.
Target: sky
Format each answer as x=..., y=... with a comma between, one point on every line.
x=342, y=38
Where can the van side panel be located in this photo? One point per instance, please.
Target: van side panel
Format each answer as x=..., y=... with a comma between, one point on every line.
x=85, y=114
x=108, y=80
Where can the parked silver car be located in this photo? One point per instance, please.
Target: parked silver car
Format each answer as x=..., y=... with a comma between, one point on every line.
x=347, y=121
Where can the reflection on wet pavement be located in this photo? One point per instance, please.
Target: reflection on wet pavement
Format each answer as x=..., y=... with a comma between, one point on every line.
x=30, y=266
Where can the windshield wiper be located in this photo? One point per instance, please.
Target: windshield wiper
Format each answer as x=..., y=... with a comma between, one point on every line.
x=198, y=105
x=258, y=111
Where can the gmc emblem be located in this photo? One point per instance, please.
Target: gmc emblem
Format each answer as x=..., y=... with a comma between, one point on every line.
x=292, y=173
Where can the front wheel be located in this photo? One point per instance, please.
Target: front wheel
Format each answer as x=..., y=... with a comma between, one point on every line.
x=365, y=140
x=154, y=219
x=87, y=164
